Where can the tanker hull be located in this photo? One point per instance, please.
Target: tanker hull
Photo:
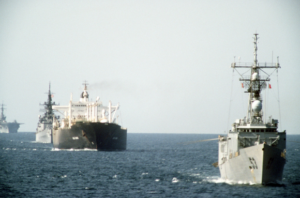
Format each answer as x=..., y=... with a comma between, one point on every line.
x=89, y=135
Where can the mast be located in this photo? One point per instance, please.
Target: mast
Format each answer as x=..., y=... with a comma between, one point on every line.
x=2, y=114
x=84, y=95
x=254, y=84
x=49, y=94
x=255, y=49
x=48, y=115
x=49, y=105
x=255, y=90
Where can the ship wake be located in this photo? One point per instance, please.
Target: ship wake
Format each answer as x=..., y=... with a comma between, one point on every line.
x=86, y=149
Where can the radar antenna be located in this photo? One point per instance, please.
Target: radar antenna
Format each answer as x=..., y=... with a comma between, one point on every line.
x=255, y=83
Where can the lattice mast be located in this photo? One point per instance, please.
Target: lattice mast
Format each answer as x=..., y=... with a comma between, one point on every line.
x=254, y=84
x=2, y=118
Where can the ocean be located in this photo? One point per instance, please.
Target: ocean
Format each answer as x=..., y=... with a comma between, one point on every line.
x=154, y=165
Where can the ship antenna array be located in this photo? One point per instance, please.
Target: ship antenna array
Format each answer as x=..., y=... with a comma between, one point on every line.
x=49, y=92
x=255, y=85
x=278, y=98
x=2, y=108
x=85, y=84
x=230, y=101
x=255, y=49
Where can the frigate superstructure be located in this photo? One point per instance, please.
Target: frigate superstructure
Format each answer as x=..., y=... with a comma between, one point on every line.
x=3, y=123
x=88, y=125
x=254, y=151
x=44, y=127
x=8, y=127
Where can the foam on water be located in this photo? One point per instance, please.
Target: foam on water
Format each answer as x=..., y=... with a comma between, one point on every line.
x=153, y=166
x=218, y=180
x=175, y=180
x=35, y=142
x=85, y=149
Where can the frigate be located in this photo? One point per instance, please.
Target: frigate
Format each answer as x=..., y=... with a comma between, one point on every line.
x=3, y=123
x=8, y=127
x=44, y=127
x=254, y=151
x=88, y=125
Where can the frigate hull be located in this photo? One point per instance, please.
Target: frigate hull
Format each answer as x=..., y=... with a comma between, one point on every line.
x=44, y=136
x=3, y=128
x=259, y=164
x=100, y=136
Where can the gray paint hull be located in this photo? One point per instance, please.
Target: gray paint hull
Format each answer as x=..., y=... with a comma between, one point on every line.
x=3, y=128
x=13, y=127
x=9, y=127
x=260, y=164
x=44, y=136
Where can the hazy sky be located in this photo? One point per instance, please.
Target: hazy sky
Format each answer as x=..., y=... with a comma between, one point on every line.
x=166, y=62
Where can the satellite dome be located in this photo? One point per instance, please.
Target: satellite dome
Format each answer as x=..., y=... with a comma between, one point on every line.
x=256, y=106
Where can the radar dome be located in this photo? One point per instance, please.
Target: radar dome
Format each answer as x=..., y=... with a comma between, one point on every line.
x=255, y=76
x=256, y=106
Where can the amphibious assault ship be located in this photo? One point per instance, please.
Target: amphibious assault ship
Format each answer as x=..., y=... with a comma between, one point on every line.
x=44, y=128
x=254, y=151
x=88, y=125
x=8, y=127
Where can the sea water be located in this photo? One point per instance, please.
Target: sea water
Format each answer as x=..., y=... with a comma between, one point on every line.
x=154, y=165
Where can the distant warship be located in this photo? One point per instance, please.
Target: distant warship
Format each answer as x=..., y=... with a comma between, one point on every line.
x=88, y=125
x=8, y=127
x=3, y=123
x=253, y=151
x=44, y=128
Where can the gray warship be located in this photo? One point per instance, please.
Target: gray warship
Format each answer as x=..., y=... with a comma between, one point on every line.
x=254, y=151
x=44, y=127
x=3, y=123
x=88, y=125
x=8, y=127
